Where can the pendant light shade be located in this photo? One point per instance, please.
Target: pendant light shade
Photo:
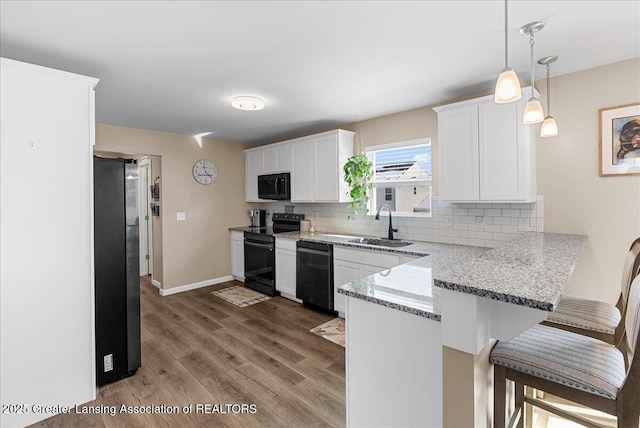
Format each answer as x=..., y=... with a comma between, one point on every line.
x=508, y=86
x=549, y=126
x=533, y=111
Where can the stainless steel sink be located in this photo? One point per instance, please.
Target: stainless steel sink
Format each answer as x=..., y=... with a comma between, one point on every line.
x=380, y=242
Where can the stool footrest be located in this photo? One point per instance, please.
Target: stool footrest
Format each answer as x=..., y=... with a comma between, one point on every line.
x=563, y=413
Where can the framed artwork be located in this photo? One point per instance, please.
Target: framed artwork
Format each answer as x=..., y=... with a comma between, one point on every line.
x=620, y=140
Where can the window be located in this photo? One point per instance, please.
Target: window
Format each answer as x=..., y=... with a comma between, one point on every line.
x=402, y=177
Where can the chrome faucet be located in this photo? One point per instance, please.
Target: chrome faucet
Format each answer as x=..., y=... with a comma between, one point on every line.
x=391, y=229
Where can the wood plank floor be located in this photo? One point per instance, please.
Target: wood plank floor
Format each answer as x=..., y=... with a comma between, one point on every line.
x=199, y=349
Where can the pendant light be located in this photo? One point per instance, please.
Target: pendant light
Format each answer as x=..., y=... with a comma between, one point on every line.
x=533, y=110
x=507, y=85
x=549, y=126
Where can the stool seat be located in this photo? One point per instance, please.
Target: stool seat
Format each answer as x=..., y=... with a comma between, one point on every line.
x=586, y=314
x=598, y=319
x=572, y=366
x=563, y=357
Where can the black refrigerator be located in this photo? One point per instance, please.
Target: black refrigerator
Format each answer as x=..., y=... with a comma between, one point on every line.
x=117, y=269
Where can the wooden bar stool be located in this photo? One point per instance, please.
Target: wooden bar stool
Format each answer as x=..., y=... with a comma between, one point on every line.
x=572, y=366
x=593, y=318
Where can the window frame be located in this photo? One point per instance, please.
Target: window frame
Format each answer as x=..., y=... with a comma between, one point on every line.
x=399, y=144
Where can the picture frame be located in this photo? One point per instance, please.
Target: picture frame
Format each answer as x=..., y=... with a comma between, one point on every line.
x=619, y=140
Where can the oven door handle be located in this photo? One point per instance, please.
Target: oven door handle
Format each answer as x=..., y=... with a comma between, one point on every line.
x=259, y=245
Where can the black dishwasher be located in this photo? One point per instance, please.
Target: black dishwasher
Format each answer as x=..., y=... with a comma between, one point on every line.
x=314, y=274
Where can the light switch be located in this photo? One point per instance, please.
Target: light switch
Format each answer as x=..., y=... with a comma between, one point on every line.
x=182, y=216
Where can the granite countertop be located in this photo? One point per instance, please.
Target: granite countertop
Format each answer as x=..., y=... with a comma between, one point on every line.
x=530, y=270
x=246, y=228
x=408, y=287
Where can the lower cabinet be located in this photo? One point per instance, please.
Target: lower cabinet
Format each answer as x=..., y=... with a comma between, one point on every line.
x=286, y=268
x=343, y=272
x=237, y=255
x=351, y=264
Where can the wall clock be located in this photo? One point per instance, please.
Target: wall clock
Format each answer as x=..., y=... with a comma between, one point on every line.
x=204, y=171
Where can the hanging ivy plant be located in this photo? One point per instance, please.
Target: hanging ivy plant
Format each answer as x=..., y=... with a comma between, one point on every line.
x=358, y=172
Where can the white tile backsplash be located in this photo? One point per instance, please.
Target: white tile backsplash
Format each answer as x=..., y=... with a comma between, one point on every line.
x=451, y=222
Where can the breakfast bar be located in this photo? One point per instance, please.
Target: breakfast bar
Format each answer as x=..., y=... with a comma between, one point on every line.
x=417, y=334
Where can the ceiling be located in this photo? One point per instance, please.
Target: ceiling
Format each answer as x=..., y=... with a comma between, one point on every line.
x=175, y=65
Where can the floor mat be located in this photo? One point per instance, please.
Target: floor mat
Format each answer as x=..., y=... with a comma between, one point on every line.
x=240, y=296
x=332, y=330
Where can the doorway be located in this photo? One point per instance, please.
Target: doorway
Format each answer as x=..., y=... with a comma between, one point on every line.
x=146, y=226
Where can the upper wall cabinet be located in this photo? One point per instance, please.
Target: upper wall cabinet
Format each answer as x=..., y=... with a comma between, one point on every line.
x=486, y=152
x=316, y=168
x=315, y=163
x=264, y=160
x=276, y=158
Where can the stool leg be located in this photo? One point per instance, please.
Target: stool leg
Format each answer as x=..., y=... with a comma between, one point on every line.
x=528, y=417
x=499, y=396
x=628, y=409
x=519, y=390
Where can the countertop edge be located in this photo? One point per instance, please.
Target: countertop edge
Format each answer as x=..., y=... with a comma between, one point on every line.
x=502, y=297
x=391, y=305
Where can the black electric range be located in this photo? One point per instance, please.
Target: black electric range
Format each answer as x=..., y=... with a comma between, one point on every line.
x=260, y=255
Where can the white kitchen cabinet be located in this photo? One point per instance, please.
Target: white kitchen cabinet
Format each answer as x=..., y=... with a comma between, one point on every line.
x=351, y=264
x=315, y=163
x=344, y=272
x=237, y=255
x=253, y=168
x=301, y=173
x=267, y=159
x=47, y=348
x=316, y=167
x=486, y=153
x=286, y=268
x=276, y=158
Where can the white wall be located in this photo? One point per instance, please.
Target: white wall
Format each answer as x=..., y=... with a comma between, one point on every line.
x=46, y=259
x=576, y=198
x=189, y=251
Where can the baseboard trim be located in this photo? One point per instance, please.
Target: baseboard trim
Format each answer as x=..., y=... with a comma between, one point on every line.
x=195, y=285
x=158, y=284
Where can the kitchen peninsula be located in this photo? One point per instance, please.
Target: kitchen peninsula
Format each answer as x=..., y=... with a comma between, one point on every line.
x=402, y=323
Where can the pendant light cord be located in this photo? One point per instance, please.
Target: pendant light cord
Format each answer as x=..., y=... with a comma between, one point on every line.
x=532, y=42
x=506, y=34
x=548, y=93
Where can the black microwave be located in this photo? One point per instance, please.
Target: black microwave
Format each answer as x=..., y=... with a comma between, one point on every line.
x=274, y=186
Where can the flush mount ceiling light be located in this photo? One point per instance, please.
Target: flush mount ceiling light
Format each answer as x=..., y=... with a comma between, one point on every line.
x=507, y=85
x=247, y=102
x=549, y=126
x=533, y=110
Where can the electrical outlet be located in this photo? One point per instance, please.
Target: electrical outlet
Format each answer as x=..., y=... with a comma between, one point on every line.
x=182, y=216
x=108, y=363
